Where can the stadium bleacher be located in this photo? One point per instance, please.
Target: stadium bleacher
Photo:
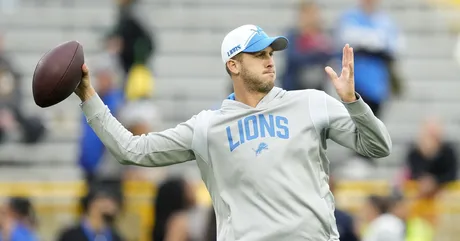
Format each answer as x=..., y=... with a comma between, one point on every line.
x=190, y=76
x=189, y=73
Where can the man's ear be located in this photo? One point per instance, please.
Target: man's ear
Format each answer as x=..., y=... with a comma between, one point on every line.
x=233, y=67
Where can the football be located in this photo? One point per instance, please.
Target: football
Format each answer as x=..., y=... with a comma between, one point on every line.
x=57, y=74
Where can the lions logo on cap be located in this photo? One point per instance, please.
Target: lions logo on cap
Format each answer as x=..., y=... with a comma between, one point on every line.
x=258, y=31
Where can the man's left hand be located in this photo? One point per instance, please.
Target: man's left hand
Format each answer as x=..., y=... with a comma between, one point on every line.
x=345, y=84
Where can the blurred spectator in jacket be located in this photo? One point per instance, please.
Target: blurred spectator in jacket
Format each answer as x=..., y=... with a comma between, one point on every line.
x=386, y=218
x=132, y=35
x=310, y=52
x=18, y=220
x=431, y=161
x=100, y=212
x=377, y=44
x=11, y=103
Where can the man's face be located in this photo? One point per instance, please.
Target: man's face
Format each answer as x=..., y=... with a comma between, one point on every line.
x=3, y=214
x=309, y=16
x=114, y=45
x=401, y=209
x=104, y=81
x=106, y=207
x=369, y=212
x=369, y=5
x=258, y=70
x=7, y=215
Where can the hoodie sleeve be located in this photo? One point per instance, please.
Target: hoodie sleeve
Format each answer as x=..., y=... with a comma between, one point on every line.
x=353, y=125
x=164, y=148
x=91, y=147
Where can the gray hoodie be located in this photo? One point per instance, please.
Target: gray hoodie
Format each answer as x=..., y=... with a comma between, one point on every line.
x=265, y=167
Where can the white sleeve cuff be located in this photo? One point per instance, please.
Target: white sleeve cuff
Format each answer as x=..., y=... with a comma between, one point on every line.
x=92, y=107
x=357, y=107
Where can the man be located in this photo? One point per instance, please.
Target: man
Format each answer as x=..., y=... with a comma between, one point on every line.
x=262, y=154
x=32, y=128
x=17, y=221
x=387, y=216
x=100, y=209
x=431, y=162
x=135, y=41
x=311, y=50
x=378, y=44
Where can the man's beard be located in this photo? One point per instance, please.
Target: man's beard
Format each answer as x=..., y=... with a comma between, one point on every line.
x=254, y=83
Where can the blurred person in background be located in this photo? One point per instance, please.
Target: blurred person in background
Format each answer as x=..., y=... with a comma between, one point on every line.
x=139, y=117
x=374, y=206
x=92, y=153
x=111, y=46
x=309, y=53
x=173, y=222
x=18, y=220
x=11, y=103
x=377, y=44
x=384, y=218
x=431, y=160
x=100, y=211
x=345, y=222
x=133, y=36
x=431, y=163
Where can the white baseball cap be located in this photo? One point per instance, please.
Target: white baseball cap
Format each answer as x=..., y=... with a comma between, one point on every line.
x=249, y=39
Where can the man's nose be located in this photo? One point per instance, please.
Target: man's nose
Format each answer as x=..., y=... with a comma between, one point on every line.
x=270, y=62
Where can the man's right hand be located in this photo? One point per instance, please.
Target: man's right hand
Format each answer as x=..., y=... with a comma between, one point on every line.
x=85, y=90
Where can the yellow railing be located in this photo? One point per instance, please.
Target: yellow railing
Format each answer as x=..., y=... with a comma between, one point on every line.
x=451, y=12
x=57, y=204
x=444, y=3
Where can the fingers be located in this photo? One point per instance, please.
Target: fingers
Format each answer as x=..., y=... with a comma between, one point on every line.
x=84, y=69
x=348, y=60
x=351, y=54
x=332, y=74
x=346, y=72
x=346, y=55
x=347, y=65
x=352, y=62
